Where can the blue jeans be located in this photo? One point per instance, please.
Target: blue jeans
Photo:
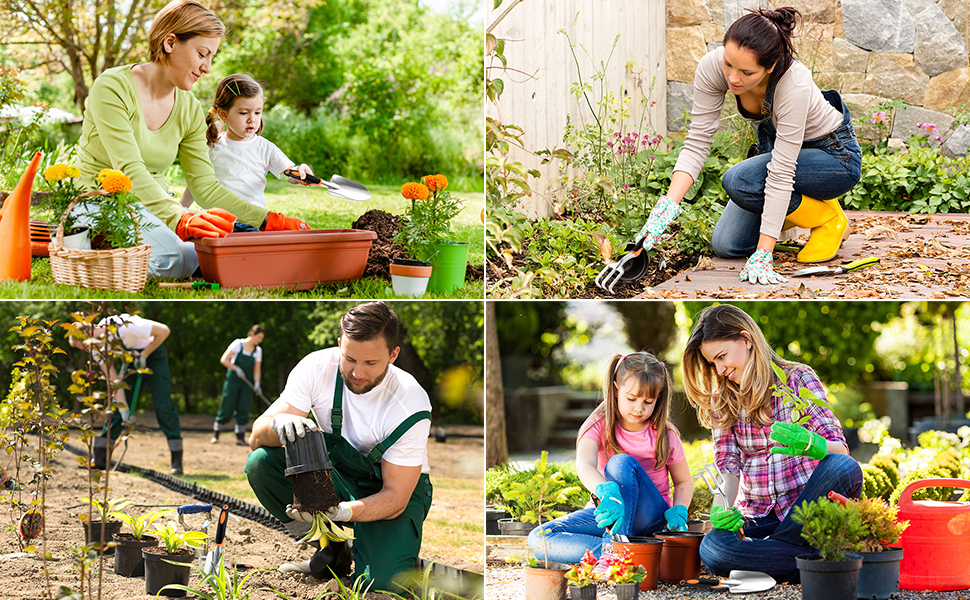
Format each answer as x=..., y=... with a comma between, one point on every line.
x=827, y=167
x=569, y=537
x=771, y=546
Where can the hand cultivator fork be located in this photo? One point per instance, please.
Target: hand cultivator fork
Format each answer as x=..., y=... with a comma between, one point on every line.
x=714, y=479
x=191, y=509
x=614, y=271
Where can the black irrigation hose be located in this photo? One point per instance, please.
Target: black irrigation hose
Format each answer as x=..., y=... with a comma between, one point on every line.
x=465, y=580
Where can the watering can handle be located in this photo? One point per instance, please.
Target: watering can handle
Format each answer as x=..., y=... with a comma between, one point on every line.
x=906, y=498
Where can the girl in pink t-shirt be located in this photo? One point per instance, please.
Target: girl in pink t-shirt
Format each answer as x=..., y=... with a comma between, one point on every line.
x=625, y=453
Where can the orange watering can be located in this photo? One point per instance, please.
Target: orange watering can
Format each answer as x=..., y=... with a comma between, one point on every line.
x=937, y=542
x=15, y=228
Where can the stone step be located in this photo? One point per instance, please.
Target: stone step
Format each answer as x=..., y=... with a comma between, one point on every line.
x=501, y=548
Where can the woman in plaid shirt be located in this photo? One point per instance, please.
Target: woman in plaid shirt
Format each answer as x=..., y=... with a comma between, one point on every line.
x=769, y=463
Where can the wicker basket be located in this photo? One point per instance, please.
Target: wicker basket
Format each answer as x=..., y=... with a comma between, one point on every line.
x=123, y=269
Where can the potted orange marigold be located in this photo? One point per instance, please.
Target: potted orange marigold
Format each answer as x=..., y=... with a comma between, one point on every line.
x=114, y=212
x=426, y=232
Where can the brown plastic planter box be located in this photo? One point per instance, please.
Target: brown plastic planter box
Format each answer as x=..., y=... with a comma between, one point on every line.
x=298, y=260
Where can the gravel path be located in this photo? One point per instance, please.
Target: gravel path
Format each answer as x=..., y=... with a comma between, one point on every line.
x=507, y=583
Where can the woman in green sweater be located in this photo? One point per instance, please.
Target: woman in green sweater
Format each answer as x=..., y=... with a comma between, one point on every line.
x=139, y=118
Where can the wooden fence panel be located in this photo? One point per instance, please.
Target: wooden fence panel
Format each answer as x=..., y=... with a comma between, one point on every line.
x=537, y=94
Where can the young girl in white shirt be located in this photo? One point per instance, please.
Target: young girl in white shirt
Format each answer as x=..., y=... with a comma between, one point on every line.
x=240, y=156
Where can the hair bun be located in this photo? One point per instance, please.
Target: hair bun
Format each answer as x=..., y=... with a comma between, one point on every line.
x=786, y=17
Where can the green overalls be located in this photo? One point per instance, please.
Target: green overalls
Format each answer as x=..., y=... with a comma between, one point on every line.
x=237, y=396
x=159, y=383
x=383, y=548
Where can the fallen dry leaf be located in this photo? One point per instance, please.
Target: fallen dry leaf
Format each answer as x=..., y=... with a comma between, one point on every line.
x=878, y=232
x=706, y=263
x=806, y=294
x=604, y=245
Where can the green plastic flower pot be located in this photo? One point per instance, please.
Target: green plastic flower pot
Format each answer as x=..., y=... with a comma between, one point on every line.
x=448, y=266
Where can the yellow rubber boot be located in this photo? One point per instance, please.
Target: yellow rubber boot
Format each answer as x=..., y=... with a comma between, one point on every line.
x=828, y=224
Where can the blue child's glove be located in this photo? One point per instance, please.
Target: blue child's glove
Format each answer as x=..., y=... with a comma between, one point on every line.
x=610, y=510
x=676, y=517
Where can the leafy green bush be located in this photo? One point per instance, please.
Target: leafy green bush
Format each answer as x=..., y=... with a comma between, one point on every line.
x=927, y=493
x=875, y=483
x=889, y=467
x=921, y=180
x=516, y=490
x=830, y=527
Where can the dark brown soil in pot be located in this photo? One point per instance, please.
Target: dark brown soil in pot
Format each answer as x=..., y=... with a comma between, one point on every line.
x=313, y=491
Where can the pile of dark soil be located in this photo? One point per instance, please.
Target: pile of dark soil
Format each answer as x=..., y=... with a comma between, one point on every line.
x=385, y=225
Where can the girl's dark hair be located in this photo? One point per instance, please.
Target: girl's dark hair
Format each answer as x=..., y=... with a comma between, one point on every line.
x=767, y=33
x=652, y=379
x=230, y=88
x=256, y=330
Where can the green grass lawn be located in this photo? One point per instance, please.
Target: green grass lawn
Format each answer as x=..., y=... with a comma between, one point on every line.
x=321, y=211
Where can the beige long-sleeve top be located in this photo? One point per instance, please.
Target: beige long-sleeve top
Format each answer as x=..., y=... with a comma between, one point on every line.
x=799, y=112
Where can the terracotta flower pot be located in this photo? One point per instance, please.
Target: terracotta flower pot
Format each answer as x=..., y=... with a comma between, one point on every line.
x=129, y=561
x=646, y=552
x=410, y=277
x=546, y=584
x=159, y=570
x=297, y=260
x=681, y=558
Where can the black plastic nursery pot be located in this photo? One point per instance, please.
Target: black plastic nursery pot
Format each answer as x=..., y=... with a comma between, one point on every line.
x=308, y=464
x=626, y=591
x=514, y=527
x=585, y=592
x=879, y=577
x=129, y=561
x=829, y=580
x=159, y=570
x=492, y=516
x=92, y=532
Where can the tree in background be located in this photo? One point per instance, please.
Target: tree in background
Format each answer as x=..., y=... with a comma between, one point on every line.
x=530, y=340
x=496, y=443
x=649, y=326
x=85, y=37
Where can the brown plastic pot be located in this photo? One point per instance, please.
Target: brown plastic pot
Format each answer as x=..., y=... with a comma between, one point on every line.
x=681, y=557
x=297, y=260
x=646, y=553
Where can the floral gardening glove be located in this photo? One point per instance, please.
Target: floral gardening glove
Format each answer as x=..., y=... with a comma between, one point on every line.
x=795, y=440
x=610, y=509
x=660, y=218
x=676, y=517
x=729, y=519
x=758, y=269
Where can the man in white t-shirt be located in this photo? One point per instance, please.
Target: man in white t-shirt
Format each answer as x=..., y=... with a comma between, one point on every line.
x=146, y=340
x=376, y=419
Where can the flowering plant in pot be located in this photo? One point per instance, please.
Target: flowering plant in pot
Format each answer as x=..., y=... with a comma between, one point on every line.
x=172, y=562
x=114, y=217
x=625, y=575
x=60, y=180
x=128, y=546
x=836, y=531
x=426, y=232
x=583, y=576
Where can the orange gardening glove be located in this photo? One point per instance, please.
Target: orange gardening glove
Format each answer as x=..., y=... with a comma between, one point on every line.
x=279, y=222
x=211, y=223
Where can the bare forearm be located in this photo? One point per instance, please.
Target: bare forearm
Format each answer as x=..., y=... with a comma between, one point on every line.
x=382, y=506
x=263, y=434
x=683, y=493
x=680, y=182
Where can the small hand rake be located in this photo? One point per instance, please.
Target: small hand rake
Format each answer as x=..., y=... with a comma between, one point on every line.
x=714, y=480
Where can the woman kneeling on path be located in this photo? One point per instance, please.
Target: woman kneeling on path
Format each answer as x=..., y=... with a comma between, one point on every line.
x=806, y=156
x=769, y=463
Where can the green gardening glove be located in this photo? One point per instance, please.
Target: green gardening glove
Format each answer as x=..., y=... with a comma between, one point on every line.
x=795, y=440
x=729, y=519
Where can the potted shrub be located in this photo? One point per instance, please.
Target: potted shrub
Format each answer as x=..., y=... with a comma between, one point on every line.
x=533, y=501
x=835, y=530
x=128, y=546
x=60, y=180
x=171, y=563
x=879, y=577
x=582, y=578
x=625, y=575
x=113, y=212
x=544, y=580
x=106, y=523
x=425, y=232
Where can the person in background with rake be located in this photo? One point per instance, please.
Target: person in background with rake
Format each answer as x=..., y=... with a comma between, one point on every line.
x=769, y=463
x=806, y=149
x=146, y=340
x=243, y=360
x=627, y=454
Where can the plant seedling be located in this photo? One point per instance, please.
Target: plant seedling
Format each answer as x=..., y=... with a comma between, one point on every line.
x=108, y=511
x=138, y=525
x=175, y=541
x=800, y=402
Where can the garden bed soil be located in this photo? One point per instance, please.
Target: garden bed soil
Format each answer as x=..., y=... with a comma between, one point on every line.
x=246, y=541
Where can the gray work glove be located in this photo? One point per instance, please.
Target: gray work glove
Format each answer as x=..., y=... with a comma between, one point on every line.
x=306, y=517
x=290, y=427
x=341, y=512
x=239, y=371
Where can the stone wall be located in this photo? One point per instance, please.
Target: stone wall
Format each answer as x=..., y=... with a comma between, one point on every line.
x=870, y=51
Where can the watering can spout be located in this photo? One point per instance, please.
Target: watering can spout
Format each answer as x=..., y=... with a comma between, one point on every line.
x=15, y=228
